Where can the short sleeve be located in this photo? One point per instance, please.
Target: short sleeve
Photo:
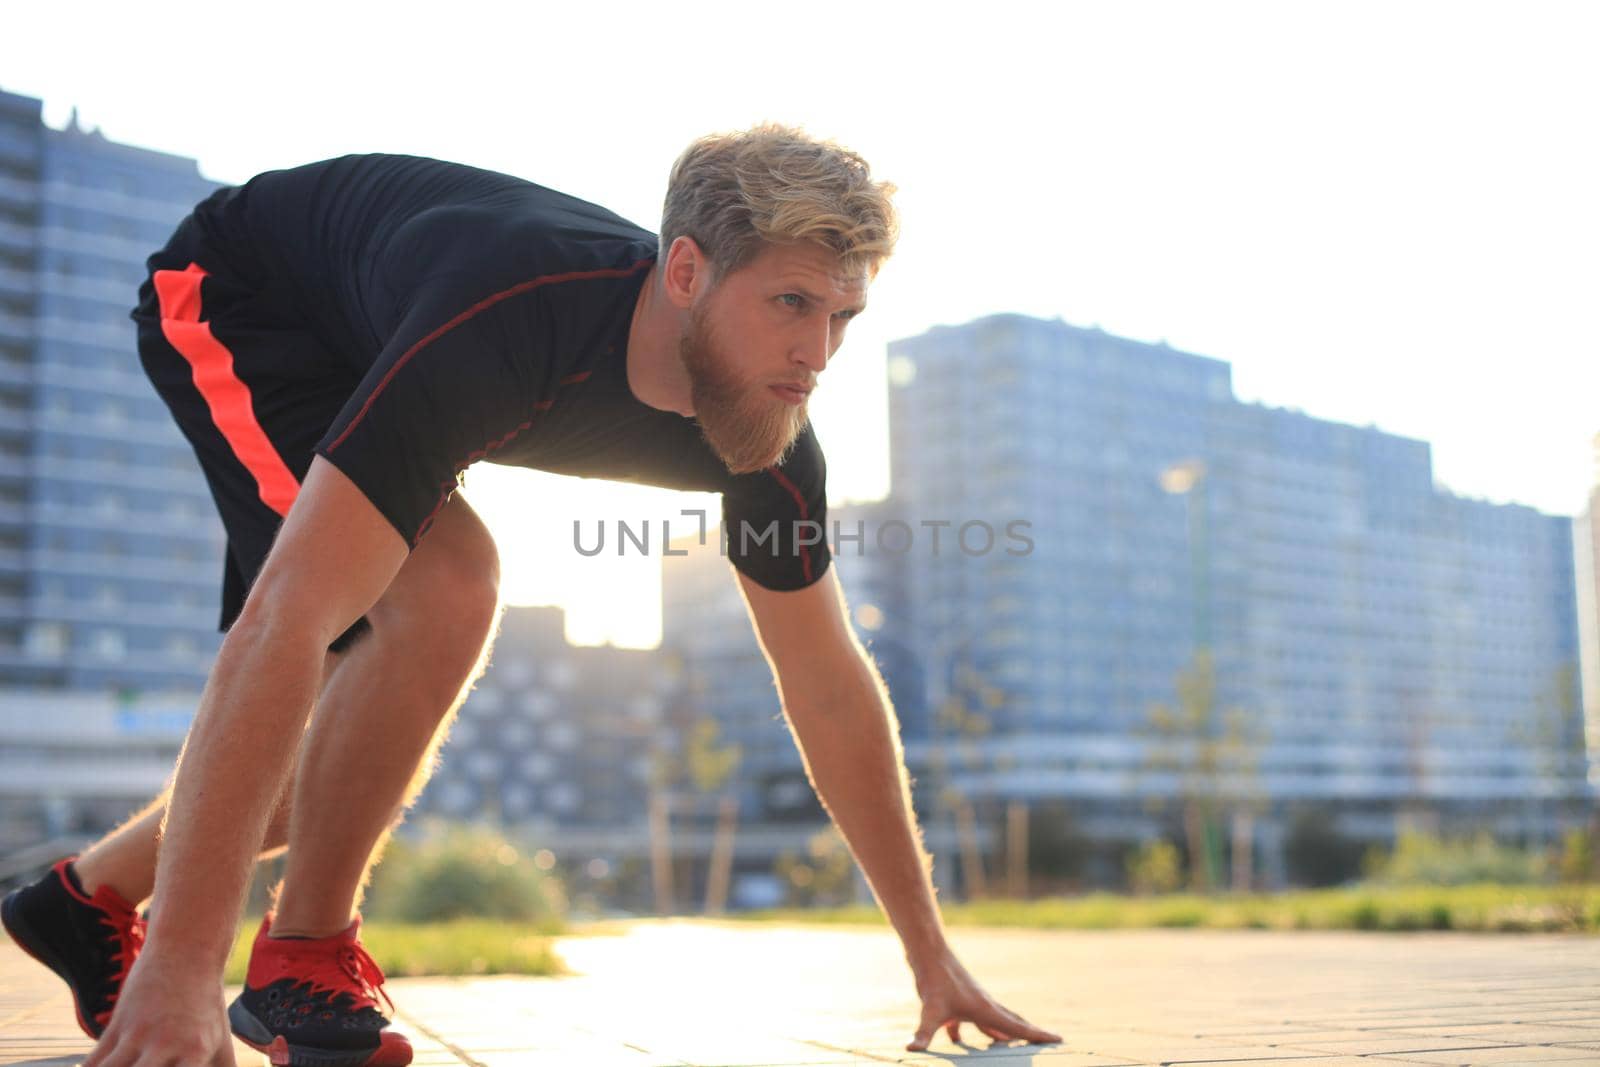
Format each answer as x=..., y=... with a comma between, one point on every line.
x=775, y=520
x=442, y=394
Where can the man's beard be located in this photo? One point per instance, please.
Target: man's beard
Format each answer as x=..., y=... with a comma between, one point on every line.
x=746, y=425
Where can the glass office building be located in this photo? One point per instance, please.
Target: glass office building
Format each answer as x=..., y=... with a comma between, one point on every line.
x=1586, y=562
x=1076, y=517
x=110, y=549
x=1390, y=646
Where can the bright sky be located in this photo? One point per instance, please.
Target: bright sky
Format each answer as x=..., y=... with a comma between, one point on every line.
x=1378, y=213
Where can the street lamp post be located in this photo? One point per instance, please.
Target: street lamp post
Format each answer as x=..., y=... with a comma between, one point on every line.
x=1188, y=479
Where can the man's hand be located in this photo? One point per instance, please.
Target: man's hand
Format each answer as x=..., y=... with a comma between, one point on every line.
x=951, y=996
x=165, y=1017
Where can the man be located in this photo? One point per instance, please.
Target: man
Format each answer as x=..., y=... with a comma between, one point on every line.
x=339, y=342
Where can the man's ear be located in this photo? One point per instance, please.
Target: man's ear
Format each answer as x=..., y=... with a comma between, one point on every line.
x=686, y=273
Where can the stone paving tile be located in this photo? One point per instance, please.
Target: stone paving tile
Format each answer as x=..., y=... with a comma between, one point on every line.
x=1562, y=1017
x=1295, y=1061
x=1258, y=1031
x=37, y=1024
x=1319, y=1061
x=1499, y=1055
x=1011, y=1056
x=728, y=995
x=1403, y=1045
x=1530, y=1033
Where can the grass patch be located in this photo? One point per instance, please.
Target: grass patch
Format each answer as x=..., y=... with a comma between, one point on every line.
x=493, y=946
x=1483, y=908
x=456, y=947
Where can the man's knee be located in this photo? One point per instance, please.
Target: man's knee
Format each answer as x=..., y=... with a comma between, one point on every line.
x=468, y=594
x=453, y=591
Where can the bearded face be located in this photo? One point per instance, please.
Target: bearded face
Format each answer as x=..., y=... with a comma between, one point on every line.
x=742, y=420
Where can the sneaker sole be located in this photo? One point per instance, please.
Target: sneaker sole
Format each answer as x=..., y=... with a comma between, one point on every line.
x=36, y=948
x=280, y=1053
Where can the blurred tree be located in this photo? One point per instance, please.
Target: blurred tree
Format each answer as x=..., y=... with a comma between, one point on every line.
x=1580, y=858
x=691, y=772
x=962, y=722
x=1154, y=867
x=824, y=877
x=1553, y=732
x=1215, y=758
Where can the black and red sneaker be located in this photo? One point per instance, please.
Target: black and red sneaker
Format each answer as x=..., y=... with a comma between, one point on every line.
x=313, y=1002
x=90, y=941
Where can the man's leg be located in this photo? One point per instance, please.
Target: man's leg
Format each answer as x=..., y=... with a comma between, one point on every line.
x=381, y=717
x=125, y=859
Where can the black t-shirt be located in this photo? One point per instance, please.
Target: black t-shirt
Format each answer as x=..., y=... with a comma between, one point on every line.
x=488, y=319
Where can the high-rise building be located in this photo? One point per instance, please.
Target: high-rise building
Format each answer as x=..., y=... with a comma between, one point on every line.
x=1586, y=564
x=1077, y=521
x=73, y=764
x=1390, y=646
x=557, y=741
x=110, y=550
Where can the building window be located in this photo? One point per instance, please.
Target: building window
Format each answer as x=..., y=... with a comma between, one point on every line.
x=46, y=640
x=109, y=644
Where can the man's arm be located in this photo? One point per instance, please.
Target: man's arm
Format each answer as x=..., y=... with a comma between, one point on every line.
x=332, y=559
x=844, y=725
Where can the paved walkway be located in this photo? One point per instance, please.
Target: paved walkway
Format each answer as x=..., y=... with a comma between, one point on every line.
x=686, y=992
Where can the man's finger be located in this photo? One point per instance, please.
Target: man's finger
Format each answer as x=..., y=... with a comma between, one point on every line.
x=102, y=1055
x=1026, y=1030
x=925, y=1031
x=954, y=1031
x=116, y=1056
x=1037, y=1035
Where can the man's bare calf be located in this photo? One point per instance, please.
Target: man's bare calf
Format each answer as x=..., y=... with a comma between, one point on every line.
x=385, y=707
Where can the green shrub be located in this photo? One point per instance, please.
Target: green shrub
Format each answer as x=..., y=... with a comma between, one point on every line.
x=1422, y=859
x=463, y=872
x=1580, y=856
x=1366, y=916
x=1181, y=914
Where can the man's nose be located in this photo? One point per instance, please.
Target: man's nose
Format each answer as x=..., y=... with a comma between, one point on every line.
x=813, y=348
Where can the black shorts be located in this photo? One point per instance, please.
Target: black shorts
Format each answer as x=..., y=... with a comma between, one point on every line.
x=251, y=386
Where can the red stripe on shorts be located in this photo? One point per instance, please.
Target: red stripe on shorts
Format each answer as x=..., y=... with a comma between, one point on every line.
x=225, y=395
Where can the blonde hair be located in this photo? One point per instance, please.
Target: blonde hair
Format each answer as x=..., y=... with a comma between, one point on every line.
x=734, y=192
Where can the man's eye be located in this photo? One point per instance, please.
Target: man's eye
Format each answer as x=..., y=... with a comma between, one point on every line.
x=793, y=300
x=847, y=314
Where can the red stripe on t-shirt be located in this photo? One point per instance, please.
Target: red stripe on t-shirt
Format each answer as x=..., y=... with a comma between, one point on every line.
x=227, y=398
x=800, y=502
x=487, y=302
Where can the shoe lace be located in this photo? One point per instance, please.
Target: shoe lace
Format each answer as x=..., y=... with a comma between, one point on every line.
x=354, y=972
x=126, y=938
